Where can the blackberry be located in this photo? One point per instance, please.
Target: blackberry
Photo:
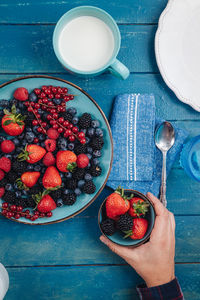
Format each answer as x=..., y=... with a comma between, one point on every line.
x=85, y=121
x=34, y=190
x=69, y=199
x=95, y=170
x=79, y=148
x=78, y=174
x=66, y=116
x=125, y=222
x=19, y=166
x=9, y=197
x=56, y=194
x=71, y=184
x=108, y=226
x=97, y=143
x=12, y=177
x=89, y=187
x=3, y=182
x=26, y=202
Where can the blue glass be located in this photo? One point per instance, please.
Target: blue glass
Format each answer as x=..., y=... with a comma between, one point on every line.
x=190, y=158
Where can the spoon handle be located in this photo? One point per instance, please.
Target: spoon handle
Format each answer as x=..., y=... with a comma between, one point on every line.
x=163, y=185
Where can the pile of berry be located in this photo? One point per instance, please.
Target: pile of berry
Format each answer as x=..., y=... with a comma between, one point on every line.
x=51, y=155
x=125, y=214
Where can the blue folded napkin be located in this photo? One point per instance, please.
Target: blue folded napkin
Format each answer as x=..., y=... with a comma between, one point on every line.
x=137, y=163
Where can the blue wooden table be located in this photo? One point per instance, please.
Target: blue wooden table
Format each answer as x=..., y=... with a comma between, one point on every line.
x=67, y=260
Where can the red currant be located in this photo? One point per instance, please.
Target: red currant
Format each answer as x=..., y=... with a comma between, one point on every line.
x=60, y=130
x=44, y=87
x=71, y=97
x=4, y=212
x=66, y=123
x=39, y=129
x=51, y=96
x=42, y=95
x=35, y=110
x=61, y=120
x=28, y=216
x=42, y=215
x=55, y=126
x=49, y=214
x=66, y=98
x=32, y=104
x=26, y=103
x=13, y=207
x=5, y=205
x=48, y=91
x=30, y=108
x=54, y=90
x=17, y=216
x=55, y=116
x=35, y=122
x=19, y=208
x=45, y=100
x=81, y=135
x=83, y=141
x=57, y=96
x=33, y=218
x=70, y=126
x=67, y=133
x=37, y=91
x=72, y=138
x=44, y=124
x=36, y=213
x=50, y=103
x=9, y=214
x=40, y=101
x=64, y=90
x=63, y=104
x=75, y=129
x=49, y=117
x=53, y=111
x=38, y=116
x=36, y=140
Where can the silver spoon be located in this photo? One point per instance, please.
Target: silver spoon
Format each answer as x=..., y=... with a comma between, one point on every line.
x=164, y=140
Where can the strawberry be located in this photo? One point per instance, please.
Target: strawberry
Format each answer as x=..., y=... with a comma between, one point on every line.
x=117, y=204
x=5, y=164
x=138, y=207
x=66, y=160
x=12, y=123
x=2, y=191
x=49, y=159
x=139, y=229
x=21, y=94
x=50, y=145
x=32, y=153
x=82, y=161
x=2, y=174
x=53, y=133
x=46, y=204
x=7, y=146
x=29, y=179
x=51, y=178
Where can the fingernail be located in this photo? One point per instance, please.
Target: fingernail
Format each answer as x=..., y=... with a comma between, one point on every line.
x=103, y=239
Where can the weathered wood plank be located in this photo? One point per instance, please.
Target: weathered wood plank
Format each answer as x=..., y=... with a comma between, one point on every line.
x=105, y=87
x=89, y=282
x=76, y=241
x=31, y=50
x=36, y=11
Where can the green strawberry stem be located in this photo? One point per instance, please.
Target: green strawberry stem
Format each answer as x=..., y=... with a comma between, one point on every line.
x=24, y=155
x=120, y=191
x=71, y=166
x=21, y=185
x=140, y=207
x=14, y=117
x=37, y=197
x=127, y=234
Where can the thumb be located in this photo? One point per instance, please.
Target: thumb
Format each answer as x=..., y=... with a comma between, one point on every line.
x=119, y=250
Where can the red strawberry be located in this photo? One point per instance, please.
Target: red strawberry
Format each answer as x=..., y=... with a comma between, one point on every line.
x=66, y=160
x=12, y=123
x=117, y=204
x=50, y=145
x=138, y=207
x=32, y=153
x=5, y=164
x=30, y=178
x=49, y=159
x=139, y=229
x=2, y=174
x=2, y=191
x=21, y=94
x=46, y=204
x=82, y=161
x=51, y=178
x=7, y=146
x=53, y=133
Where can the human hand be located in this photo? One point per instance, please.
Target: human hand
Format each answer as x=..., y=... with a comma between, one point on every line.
x=153, y=261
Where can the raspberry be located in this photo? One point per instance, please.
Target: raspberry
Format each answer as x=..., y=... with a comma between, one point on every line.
x=108, y=226
x=2, y=191
x=7, y=146
x=50, y=145
x=2, y=174
x=49, y=159
x=53, y=133
x=95, y=170
x=5, y=164
x=21, y=94
x=82, y=161
x=125, y=222
x=69, y=199
x=89, y=187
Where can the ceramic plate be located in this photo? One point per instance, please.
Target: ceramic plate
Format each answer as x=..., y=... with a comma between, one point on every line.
x=82, y=102
x=177, y=46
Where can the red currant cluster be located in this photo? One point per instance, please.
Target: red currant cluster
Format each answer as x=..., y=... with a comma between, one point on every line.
x=57, y=122
x=13, y=211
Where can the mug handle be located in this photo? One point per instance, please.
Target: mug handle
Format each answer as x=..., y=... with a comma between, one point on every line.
x=119, y=70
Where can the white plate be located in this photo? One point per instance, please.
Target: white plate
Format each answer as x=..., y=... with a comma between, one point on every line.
x=177, y=46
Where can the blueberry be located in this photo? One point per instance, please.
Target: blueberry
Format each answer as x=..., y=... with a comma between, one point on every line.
x=40, y=111
x=41, y=137
x=21, y=136
x=2, y=138
x=59, y=202
x=42, y=145
x=77, y=191
x=18, y=194
x=89, y=155
x=99, y=132
x=32, y=97
x=28, y=129
x=30, y=167
x=87, y=140
x=8, y=187
x=95, y=161
x=35, y=129
x=88, y=166
x=71, y=146
x=81, y=183
x=1, y=113
x=97, y=153
x=62, y=175
x=56, y=101
x=90, y=132
x=24, y=193
x=89, y=150
x=18, y=111
x=72, y=111
x=8, y=156
x=75, y=120
x=45, y=114
x=62, y=144
x=29, y=137
x=16, y=141
x=18, y=150
x=3, y=103
x=88, y=177
x=37, y=168
x=43, y=170
x=95, y=123
x=68, y=175
x=15, y=155
x=66, y=191
x=21, y=105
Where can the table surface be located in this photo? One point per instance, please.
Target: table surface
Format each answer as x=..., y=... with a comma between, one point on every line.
x=67, y=260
